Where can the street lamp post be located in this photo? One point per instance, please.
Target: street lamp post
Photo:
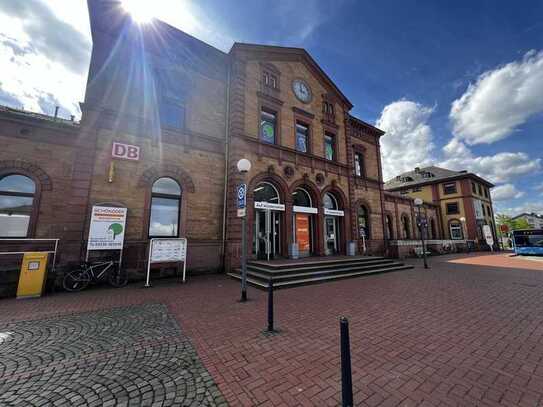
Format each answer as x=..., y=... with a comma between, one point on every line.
x=244, y=166
x=421, y=223
x=463, y=221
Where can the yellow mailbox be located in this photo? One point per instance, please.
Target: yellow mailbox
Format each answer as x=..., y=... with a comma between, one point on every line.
x=33, y=273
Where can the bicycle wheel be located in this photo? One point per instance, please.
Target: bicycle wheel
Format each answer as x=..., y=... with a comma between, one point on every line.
x=118, y=278
x=76, y=280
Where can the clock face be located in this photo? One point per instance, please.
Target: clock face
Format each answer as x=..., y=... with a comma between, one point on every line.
x=301, y=90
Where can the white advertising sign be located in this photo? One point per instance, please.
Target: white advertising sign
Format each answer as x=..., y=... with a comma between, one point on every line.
x=168, y=250
x=107, y=227
x=271, y=206
x=125, y=151
x=487, y=231
x=478, y=207
x=333, y=212
x=304, y=209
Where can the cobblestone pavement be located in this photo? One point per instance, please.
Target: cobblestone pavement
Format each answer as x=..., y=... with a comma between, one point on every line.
x=131, y=356
x=466, y=332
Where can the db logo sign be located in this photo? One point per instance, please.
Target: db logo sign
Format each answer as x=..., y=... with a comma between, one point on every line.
x=125, y=151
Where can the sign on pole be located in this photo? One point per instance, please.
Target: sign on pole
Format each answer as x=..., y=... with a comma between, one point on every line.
x=167, y=250
x=241, y=195
x=106, y=231
x=489, y=237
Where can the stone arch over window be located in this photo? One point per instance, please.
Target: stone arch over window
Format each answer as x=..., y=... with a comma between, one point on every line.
x=338, y=194
x=363, y=219
x=310, y=188
x=182, y=177
x=21, y=185
x=273, y=179
x=406, y=226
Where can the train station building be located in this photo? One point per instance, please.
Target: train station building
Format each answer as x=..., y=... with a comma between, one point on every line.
x=165, y=119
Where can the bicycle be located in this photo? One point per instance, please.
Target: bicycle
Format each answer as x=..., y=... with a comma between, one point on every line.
x=79, y=278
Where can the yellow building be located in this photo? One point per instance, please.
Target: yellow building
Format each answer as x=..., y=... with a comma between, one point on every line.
x=463, y=199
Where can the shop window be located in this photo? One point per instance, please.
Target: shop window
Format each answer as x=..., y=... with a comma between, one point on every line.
x=330, y=201
x=406, y=226
x=455, y=229
x=266, y=192
x=449, y=188
x=363, y=223
x=300, y=197
x=302, y=137
x=172, y=115
x=329, y=146
x=452, y=208
x=359, y=164
x=165, y=208
x=268, y=126
x=17, y=198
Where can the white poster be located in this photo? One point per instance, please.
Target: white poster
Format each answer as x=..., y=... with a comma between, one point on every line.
x=478, y=207
x=268, y=205
x=489, y=237
x=107, y=226
x=168, y=250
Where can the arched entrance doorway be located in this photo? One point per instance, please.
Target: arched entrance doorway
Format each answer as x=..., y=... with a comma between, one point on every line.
x=332, y=224
x=267, y=228
x=303, y=221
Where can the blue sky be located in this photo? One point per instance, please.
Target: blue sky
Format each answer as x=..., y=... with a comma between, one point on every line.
x=457, y=84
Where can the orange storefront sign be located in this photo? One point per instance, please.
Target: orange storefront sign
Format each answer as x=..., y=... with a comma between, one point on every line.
x=302, y=232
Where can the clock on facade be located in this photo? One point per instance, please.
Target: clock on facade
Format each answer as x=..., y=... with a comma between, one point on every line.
x=302, y=90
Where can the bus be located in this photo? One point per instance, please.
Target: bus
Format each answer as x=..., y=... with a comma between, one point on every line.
x=528, y=241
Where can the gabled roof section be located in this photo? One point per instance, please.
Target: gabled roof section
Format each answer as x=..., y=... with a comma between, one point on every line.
x=429, y=175
x=257, y=49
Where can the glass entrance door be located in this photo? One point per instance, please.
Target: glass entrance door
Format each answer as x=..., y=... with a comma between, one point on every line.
x=330, y=236
x=267, y=234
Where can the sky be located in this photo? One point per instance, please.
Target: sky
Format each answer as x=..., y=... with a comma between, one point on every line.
x=454, y=84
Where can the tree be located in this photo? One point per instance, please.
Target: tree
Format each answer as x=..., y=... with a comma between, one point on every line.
x=513, y=224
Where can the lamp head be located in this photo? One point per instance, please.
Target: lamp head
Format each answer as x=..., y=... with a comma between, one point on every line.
x=462, y=219
x=418, y=202
x=244, y=165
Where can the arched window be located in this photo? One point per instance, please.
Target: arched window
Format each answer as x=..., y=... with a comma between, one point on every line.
x=389, y=228
x=301, y=197
x=330, y=201
x=406, y=227
x=363, y=223
x=17, y=193
x=266, y=192
x=165, y=207
x=455, y=229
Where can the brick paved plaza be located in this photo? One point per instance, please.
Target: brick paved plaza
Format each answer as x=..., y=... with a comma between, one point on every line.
x=468, y=332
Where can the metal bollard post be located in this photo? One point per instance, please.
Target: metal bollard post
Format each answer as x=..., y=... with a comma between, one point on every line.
x=270, y=306
x=346, y=377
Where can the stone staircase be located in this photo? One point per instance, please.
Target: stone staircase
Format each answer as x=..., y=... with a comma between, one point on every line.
x=291, y=273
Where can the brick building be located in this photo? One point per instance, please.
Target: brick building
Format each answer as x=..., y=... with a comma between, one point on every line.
x=193, y=111
x=462, y=199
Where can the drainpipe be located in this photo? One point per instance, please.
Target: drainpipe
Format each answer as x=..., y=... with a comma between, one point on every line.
x=226, y=162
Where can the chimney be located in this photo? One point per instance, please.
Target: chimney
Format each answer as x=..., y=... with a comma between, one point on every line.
x=56, y=112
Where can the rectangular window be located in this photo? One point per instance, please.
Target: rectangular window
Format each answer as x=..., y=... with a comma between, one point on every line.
x=473, y=188
x=268, y=126
x=417, y=189
x=486, y=192
x=449, y=188
x=172, y=115
x=302, y=137
x=452, y=208
x=164, y=220
x=480, y=189
x=358, y=164
x=15, y=214
x=270, y=80
x=329, y=146
x=456, y=231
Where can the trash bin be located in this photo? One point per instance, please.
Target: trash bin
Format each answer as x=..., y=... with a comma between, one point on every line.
x=33, y=274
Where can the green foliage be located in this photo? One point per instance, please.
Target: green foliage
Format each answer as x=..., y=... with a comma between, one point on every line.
x=514, y=224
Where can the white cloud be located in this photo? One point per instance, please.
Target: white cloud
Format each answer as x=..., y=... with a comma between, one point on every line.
x=500, y=101
x=526, y=207
x=539, y=188
x=501, y=167
x=506, y=192
x=408, y=142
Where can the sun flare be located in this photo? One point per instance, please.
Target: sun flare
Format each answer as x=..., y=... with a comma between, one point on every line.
x=142, y=11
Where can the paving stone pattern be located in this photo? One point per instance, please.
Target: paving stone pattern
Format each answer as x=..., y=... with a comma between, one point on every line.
x=128, y=356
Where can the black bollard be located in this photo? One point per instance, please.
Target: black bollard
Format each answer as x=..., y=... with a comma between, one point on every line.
x=346, y=377
x=270, y=306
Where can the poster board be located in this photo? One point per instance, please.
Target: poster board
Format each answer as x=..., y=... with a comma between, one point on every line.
x=302, y=232
x=166, y=250
x=107, y=227
x=489, y=237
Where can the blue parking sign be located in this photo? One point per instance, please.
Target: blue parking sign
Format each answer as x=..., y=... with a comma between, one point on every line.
x=242, y=196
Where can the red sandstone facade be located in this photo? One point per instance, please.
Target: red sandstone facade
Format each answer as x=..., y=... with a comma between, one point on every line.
x=194, y=111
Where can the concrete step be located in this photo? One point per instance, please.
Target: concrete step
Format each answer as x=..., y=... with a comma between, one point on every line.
x=263, y=284
x=307, y=262
x=314, y=266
